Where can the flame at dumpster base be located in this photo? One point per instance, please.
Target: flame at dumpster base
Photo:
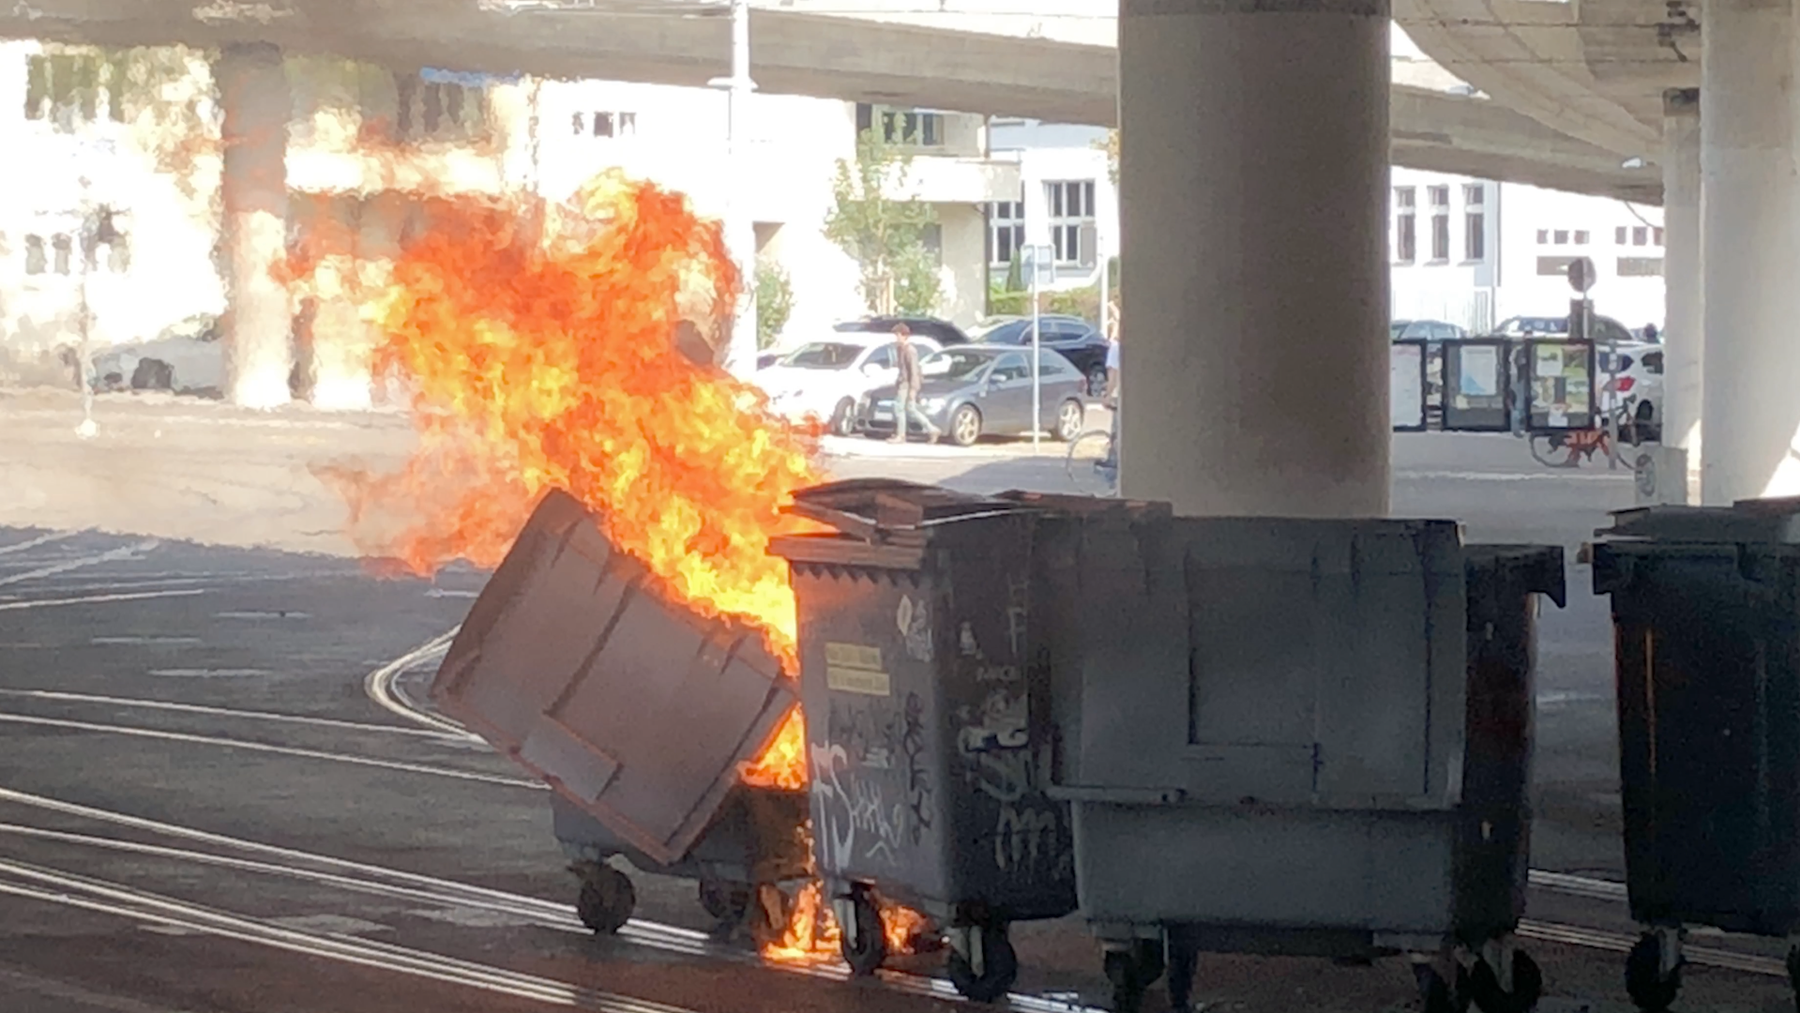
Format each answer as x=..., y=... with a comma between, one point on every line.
x=813, y=935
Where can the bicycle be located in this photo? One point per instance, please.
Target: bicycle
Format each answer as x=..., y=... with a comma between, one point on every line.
x=1096, y=477
x=1576, y=447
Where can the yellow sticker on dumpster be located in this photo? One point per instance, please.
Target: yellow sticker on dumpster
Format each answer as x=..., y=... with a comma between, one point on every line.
x=856, y=668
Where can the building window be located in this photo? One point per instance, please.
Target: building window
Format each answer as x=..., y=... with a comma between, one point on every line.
x=61, y=247
x=1406, y=241
x=1071, y=205
x=628, y=124
x=578, y=124
x=1581, y=237
x=1440, y=222
x=1554, y=266
x=118, y=255
x=1562, y=237
x=1006, y=231
x=915, y=129
x=1640, y=236
x=1656, y=236
x=1640, y=267
x=932, y=238
x=35, y=261
x=1543, y=237
x=1474, y=221
x=440, y=110
x=1619, y=235
x=69, y=90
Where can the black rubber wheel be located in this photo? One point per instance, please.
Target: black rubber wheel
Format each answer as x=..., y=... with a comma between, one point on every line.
x=1528, y=986
x=153, y=374
x=865, y=949
x=843, y=418
x=1000, y=968
x=1644, y=982
x=1132, y=971
x=1069, y=418
x=606, y=900
x=726, y=902
x=965, y=426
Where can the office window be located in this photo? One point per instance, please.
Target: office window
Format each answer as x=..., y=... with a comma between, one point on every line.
x=1640, y=236
x=603, y=124
x=439, y=110
x=1474, y=221
x=1006, y=231
x=1619, y=235
x=35, y=260
x=1543, y=237
x=628, y=124
x=918, y=129
x=61, y=248
x=1656, y=236
x=1071, y=207
x=1640, y=267
x=1554, y=266
x=1406, y=248
x=1561, y=237
x=67, y=90
x=578, y=124
x=1581, y=237
x=1440, y=222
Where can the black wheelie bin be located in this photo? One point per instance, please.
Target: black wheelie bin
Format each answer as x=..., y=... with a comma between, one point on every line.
x=928, y=723
x=1706, y=628
x=639, y=713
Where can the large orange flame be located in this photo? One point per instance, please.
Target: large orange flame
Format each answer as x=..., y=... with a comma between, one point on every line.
x=542, y=352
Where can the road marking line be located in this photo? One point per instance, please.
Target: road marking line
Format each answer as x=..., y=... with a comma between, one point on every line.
x=262, y=747
x=381, y=689
x=32, y=543
x=111, y=556
x=96, y=599
x=119, y=701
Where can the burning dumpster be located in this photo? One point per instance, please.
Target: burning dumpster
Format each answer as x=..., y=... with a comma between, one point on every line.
x=928, y=723
x=1299, y=737
x=639, y=713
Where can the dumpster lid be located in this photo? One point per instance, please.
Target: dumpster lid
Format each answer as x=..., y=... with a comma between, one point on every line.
x=1540, y=566
x=1775, y=521
x=1090, y=505
x=879, y=521
x=578, y=666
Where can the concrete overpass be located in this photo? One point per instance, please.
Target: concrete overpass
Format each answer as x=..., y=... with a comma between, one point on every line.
x=797, y=53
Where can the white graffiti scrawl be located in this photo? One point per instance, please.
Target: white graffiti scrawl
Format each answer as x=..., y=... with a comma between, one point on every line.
x=914, y=620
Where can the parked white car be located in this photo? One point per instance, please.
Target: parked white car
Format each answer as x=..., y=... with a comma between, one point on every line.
x=825, y=378
x=185, y=358
x=1639, y=369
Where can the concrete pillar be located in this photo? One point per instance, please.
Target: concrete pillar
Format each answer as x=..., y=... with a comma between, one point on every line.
x=1682, y=317
x=253, y=92
x=1749, y=409
x=1254, y=171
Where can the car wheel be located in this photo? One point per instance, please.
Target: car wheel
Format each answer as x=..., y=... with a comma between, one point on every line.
x=843, y=419
x=153, y=374
x=965, y=426
x=1068, y=420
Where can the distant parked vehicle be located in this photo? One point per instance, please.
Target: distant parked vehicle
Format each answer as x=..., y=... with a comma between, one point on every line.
x=1427, y=330
x=1072, y=337
x=1606, y=329
x=973, y=390
x=826, y=378
x=943, y=332
x=186, y=358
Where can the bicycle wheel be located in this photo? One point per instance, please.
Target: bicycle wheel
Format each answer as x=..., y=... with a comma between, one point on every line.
x=1086, y=474
x=1564, y=456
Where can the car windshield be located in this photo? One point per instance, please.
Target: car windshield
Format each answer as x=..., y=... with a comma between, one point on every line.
x=955, y=365
x=823, y=355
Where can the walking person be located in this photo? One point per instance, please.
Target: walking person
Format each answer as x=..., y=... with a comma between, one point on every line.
x=906, y=388
x=1111, y=400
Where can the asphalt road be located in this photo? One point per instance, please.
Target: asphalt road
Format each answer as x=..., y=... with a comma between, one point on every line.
x=199, y=857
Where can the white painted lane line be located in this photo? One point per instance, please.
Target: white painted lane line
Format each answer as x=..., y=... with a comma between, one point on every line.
x=381, y=689
x=189, y=708
x=95, y=599
x=262, y=747
x=112, y=556
x=32, y=543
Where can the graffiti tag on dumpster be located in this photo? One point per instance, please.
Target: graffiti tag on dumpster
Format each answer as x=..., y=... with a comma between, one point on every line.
x=1003, y=766
x=914, y=620
x=871, y=790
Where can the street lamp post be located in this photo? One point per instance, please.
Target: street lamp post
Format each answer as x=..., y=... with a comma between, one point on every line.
x=740, y=231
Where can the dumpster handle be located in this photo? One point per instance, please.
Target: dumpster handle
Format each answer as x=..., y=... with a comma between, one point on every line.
x=1116, y=795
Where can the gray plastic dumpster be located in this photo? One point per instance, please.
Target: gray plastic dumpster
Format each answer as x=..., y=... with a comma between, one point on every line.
x=1706, y=619
x=927, y=722
x=1304, y=737
x=635, y=709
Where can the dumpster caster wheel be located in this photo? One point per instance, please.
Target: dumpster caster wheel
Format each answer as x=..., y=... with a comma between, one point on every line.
x=728, y=903
x=864, y=948
x=999, y=967
x=1644, y=980
x=1528, y=986
x=606, y=899
x=1132, y=971
x=1436, y=995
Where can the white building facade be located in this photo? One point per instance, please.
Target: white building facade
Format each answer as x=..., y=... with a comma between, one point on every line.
x=1067, y=200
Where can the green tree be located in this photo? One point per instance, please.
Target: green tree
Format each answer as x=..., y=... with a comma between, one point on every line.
x=884, y=234
x=774, y=302
x=1111, y=147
